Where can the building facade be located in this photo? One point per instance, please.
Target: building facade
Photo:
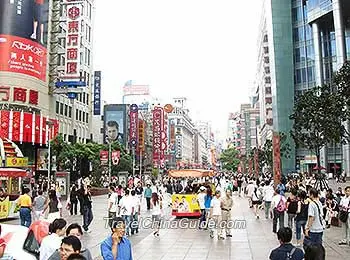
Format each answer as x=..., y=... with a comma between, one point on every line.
x=308, y=41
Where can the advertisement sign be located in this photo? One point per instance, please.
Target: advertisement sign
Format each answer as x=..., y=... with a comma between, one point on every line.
x=141, y=135
x=42, y=159
x=133, y=128
x=158, y=135
x=115, y=157
x=104, y=157
x=276, y=158
x=23, y=37
x=16, y=161
x=115, y=123
x=97, y=93
x=130, y=89
x=73, y=40
x=4, y=207
x=256, y=163
x=184, y=203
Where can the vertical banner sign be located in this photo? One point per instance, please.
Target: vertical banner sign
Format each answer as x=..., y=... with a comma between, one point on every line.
x=115, y=157
x=104, y=157
x=97, y=93
x=256, y=163
x=115, y=123
x=73, y=40
x=276, y=158
x=133, y=129
x=23, y=37
x=141, y=136
x=158, y=124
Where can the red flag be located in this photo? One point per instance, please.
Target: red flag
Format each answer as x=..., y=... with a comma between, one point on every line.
x=276, y=158
x=27, y=127
x=37, y=129
x=15, y=125
x=4, y=123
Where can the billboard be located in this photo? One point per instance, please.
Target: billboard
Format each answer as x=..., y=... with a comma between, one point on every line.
x=115, y=123
x=276, y=158
x=23, y=37
x=133, y=127
x=97, y=93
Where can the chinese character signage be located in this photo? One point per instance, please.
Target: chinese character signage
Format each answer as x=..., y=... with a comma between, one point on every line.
x=73, y=40
x=23, y=37
x=133, y=129
x=97, y=93
x=141, y=135
x=104, y=157
x=16, y=161
x=159, y=136
x=19, y=95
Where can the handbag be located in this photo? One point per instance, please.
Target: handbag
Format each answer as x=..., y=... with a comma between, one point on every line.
x=344, y=214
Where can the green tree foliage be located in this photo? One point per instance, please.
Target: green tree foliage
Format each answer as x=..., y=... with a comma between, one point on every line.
x=316, y=119
x=230, y=159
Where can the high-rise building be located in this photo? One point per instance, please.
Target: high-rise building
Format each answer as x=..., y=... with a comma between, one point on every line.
x=248, y=128
x=308, y=40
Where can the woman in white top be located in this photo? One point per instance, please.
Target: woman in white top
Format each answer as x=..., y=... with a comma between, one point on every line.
x=156, y=206
x=52, y=242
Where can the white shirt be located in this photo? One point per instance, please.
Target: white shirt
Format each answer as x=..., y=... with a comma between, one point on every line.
x=156, y=209
x=216, y=206
x=250, y=189
x=114, y=200
x=49, y=245
x=126, y=204
x=344, y=203
x=268, y=193
x=136, y=203
x=201, y=200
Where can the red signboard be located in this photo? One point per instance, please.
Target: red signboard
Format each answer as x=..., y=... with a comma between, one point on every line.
x=276, y=158
x=133, y=128
x=158, y=135
x=115, y=157
x=104, y=157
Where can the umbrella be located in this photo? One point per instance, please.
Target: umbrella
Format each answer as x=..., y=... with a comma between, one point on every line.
x=336, y=167
x=319, y=168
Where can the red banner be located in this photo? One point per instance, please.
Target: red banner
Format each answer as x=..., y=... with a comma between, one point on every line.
x=256, y=163
x=15, y=125
x=133, y=129
x=5, y=123
x=158, y=135
x=104, y=157
x=27, y=127
x=22, y=56
x=276, y=158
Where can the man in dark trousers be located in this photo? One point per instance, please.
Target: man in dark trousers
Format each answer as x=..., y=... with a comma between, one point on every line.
x=87, y=208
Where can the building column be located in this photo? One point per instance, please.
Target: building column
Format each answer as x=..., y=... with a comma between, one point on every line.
x=341, y=58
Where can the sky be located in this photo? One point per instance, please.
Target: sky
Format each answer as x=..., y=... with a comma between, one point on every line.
x=204, y=50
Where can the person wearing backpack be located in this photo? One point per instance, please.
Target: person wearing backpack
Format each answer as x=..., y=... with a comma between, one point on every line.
x=278, y=206
x=256, y=201
x=286, y=250
x=292, y=206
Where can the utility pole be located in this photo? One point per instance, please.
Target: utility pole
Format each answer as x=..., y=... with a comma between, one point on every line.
x=110, y=161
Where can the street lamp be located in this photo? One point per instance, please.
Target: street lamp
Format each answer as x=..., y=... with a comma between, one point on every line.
x=49, y=124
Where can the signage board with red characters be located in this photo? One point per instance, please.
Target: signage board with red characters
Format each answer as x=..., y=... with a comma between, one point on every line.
x=23, y=37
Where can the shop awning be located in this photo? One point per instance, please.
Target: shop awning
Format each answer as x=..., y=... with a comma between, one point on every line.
x=193, y=173
x=13, y=172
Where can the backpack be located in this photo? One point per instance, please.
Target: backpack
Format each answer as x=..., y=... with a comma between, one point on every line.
x=290, y=254
x=281, y=206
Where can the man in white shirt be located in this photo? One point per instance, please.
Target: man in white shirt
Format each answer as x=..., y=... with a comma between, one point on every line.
x=126, y=209
x=314, y=226
x=268, y=195
x=345, y=205
x=135, y=216
x=201, y=201
x=215, y=215
x=278, y=205
x=250, y=189
x=112, y=205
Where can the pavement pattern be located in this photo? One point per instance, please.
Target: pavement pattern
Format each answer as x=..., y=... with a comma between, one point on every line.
x=252, y=239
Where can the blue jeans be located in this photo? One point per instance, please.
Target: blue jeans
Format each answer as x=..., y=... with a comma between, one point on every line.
x=25, y=216
x=202, y=218
x=299, y=224
x=87, y=217
x=127, y=219
x=316, y=238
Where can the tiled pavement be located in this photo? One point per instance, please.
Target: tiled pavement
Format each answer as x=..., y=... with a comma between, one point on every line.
x=254, y=242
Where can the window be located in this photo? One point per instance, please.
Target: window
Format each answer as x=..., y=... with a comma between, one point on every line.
x=87, y=99
x=61, y=109
x=83, y=98
x=80, y=115
x=266, y=50
x=268, y=100
x=65, y=109
x=70, y=112
x=61, y=60
x=62, y=42
x=266, y=59
x=83, y=117
x=88, y=57
x=87, y=79
x=297, y=14
x=267, y=70
x=87, y=117
x=266, y=38
x=268, y=80
x=76, y=114
x=268, y=90
x=57, y=107
x=299, y=54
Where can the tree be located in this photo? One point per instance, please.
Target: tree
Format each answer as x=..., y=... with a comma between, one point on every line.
x=316, y=119
x=229, y=159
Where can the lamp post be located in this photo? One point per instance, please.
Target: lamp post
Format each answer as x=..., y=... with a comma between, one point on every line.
x=109, y=160
x=49, y=124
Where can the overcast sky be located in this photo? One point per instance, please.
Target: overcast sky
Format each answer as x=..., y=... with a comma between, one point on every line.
x=204, y=50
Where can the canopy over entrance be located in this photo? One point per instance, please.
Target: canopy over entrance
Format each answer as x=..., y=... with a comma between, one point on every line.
x=194, y=173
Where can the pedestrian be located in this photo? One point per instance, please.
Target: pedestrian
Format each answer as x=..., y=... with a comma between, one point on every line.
x=256, y=201
x=54, y=206
x=25, y=204
x=73, y=199
x=112, y=205
x=87, y=208
x=226, y=206
x=117, y=246
x=344, y=207
x=148, y=195
x=207, y=202
x=278, y=205
x=134, y=226
x=52, y=242
x=314, y=226
x=38, y=205
x=201, y=202
x=302, y=215
x=120, y=192
x=156, y=204
x=250, y=189
x=315, y=252
x=126, y=210
x=268, y=195
x=292, y=206
x=215, y=216
x=70, y=245
x=76, y=230
x=139, y=191
x=286, y=250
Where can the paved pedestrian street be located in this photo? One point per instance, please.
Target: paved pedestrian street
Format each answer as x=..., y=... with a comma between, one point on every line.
x=252, y=242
